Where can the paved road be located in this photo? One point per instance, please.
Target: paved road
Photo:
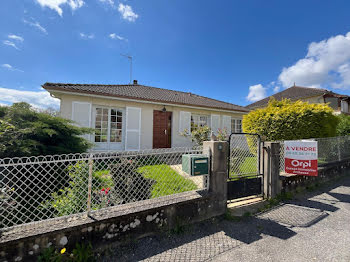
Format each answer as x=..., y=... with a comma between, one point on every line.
x=314, y=227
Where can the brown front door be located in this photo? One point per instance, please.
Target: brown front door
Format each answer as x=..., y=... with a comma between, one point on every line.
x=161, y=129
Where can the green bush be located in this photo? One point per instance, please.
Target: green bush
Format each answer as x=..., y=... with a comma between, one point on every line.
x=343, y=128
x=198, y=134
x=129, y=184
x=27, y=132
x=286, y=120
x=73, y=198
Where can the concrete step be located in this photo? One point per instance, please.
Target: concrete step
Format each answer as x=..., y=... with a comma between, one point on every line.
x=244, y=206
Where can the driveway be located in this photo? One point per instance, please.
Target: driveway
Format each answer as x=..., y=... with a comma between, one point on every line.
x=312, y=227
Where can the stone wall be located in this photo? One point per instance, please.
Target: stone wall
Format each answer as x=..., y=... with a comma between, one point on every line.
x=326, y=173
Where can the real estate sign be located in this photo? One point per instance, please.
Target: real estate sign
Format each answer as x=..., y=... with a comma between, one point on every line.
x=300, y=157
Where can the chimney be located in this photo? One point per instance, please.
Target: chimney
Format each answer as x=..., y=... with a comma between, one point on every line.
x=135, y=82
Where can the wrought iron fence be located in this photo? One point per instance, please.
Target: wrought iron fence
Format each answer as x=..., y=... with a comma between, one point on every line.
x=330, y=149
x=244, y=156
x=46, y=187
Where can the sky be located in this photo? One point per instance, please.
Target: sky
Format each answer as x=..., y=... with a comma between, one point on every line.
x=238, y=51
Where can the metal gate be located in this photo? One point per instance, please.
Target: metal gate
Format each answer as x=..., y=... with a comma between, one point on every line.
x=244, y=172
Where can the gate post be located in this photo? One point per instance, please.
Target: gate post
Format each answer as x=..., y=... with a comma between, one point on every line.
x=271, y=160
x=218, y=170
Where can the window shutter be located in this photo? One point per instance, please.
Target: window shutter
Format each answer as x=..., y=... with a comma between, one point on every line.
x=185, y=122
x=215, y=123
x=344, y=106
x=226, y=124
x=133, y=128
x=81, y=115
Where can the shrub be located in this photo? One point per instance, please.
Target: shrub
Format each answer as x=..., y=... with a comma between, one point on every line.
x=26, y=132
x=129, y=184
x=286, y=120
x=198, y=135
x=343, y=128
x=223, y=135
x=73, y=198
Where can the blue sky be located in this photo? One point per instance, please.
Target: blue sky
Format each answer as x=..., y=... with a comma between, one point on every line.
x=236, y=51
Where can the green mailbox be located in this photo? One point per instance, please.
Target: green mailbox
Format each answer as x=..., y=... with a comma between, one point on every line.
x=195, y=165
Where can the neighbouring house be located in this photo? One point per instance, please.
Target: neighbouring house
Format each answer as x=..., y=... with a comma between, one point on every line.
x=134, y=116
x=340, y=103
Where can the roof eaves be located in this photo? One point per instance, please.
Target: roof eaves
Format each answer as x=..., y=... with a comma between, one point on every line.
x=138, y=99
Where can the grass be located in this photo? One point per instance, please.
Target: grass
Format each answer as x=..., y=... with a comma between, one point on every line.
x=248, y=169
x=249, y=165
x=167, y=181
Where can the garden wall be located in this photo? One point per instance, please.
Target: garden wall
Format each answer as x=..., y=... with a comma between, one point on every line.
x=114, y=225
x=326, y=173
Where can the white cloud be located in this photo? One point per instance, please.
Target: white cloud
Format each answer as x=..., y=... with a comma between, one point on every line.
x=16, y=37
x=276, y=89
x=9, y=43
x=35, y=24
x=115, y=36
x=10, y=67
x=127, y=12
x=56, y=4
x=87, y=36
x=110, y=2
x=38, y=99
x=326, y=64
x=256, y=92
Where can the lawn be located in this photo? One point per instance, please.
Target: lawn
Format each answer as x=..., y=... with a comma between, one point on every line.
x=248, y=169
x=167, y=181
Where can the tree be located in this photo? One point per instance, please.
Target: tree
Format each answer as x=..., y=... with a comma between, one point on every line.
x=343, y=128
x=26, y=132
x=286, y=120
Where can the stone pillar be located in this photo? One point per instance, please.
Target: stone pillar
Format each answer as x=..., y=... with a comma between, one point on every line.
x=271, y=166
x=218, y=170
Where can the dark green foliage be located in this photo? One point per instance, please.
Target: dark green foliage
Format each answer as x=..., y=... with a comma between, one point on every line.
x=50, y=255
x=30, y=185
x=129, y=185
x=83, y=253
x=73, y=198
x=343, y=128
x=26, y=132
x=286, y=120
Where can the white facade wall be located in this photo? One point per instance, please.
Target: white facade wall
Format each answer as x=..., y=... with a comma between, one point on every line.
x=146, y=130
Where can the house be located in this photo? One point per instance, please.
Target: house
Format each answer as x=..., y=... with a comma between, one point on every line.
x=340, y=103
x=134, y=116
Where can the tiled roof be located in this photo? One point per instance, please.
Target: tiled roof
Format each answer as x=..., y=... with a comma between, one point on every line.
x=146, y=93
x=293, y=93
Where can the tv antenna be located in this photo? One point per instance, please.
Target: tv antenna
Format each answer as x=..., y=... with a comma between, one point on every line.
x=130, y=59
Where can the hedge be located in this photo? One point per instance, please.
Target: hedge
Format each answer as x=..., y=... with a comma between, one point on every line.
x=286, y=120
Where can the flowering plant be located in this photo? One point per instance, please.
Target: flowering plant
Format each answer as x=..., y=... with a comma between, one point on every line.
x=222, y=134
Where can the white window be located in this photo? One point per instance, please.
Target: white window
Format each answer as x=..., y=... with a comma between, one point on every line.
x=199, y=121
x=236, y=125
x=108, y=125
